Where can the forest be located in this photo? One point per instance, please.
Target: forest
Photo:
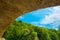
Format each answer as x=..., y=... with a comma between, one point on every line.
x=19, y=30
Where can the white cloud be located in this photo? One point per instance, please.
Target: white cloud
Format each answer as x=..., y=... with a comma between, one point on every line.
x=21, y=17
x=53, y=18
x=40, y=12
x=35, y=23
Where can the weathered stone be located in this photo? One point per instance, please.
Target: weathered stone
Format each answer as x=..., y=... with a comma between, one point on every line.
x=10, y=9
x=2, y=38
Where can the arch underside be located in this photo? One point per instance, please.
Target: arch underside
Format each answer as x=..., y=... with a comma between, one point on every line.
x=10, y=9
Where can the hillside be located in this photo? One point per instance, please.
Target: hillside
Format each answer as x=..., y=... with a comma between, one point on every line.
x=19, y=30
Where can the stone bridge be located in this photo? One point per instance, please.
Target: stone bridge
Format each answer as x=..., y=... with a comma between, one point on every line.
x=11, y=9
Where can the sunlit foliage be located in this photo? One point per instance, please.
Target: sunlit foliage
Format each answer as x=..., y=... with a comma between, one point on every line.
x=19, y=30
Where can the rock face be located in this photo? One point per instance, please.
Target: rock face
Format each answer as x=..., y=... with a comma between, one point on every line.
x=2, y=39
x=10, y=9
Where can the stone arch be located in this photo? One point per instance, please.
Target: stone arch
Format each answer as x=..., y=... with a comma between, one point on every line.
x=10, y=9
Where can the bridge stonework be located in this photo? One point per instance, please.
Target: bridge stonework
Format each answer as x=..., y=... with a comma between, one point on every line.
x=11, y=9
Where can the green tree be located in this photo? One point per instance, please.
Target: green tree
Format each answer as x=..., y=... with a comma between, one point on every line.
x=19, y=30
x=53, y=35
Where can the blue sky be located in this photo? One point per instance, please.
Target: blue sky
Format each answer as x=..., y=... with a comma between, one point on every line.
x=47, y=17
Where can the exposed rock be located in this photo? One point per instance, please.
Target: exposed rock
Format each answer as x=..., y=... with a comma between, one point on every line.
x=2, y=38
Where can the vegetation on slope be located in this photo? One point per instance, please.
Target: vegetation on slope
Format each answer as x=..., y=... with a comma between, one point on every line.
x=19, y=30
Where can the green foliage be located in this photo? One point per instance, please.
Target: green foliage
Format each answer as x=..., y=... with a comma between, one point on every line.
x=53, y=36
x=42, y=33
x=23, y=31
